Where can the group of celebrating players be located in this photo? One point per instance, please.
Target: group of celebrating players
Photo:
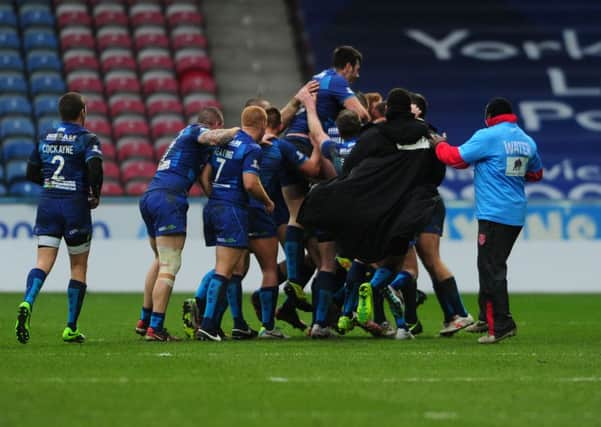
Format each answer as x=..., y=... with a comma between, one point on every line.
x=345, y=182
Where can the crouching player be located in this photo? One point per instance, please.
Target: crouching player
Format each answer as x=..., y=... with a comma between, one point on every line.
x=67, y=162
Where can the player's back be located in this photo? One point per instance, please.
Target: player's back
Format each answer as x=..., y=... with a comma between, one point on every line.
x=229, y=162
x=179, y=167
x=333, y=91
x=338, y=151
x=62, y=154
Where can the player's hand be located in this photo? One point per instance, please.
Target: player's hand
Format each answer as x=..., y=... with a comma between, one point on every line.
x=269, y=206
x=436, y=139
x=93, y=202
x=307, y=92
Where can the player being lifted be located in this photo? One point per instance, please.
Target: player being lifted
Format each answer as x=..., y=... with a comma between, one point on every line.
x=164, y=207
x=333, y=95
x=67, y=162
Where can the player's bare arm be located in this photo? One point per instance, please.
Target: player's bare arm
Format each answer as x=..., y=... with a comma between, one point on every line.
x=218, y=136
x=353, y=104
x=295, y=103
x=252, y=184
x=205, y=179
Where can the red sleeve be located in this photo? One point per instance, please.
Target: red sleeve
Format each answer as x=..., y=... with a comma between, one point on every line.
x=449, y=155
x=534, y=176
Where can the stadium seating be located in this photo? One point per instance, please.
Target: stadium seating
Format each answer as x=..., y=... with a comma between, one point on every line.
x=142, y=67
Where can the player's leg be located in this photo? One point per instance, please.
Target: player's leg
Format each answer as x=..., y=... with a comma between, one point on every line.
x=294, y=247
x=149, y=281
x=169, y=250
x=78, y=256
x=266, y=252
x=46, y=256
x=356, y=275
x=456, y=316
x=240, y=330
x=49, y=231
x=409, y=289
x=224, y=224
x=324, y=287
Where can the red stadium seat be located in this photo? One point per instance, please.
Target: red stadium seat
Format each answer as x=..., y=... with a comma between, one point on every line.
x=95, y=105
x=181, y=14
x=110, y=169
x=188, y=40
x=109, y=14
x=136, y=187
x=85, y=81
x=109, y=152
x=112, y=187
x=197, y=82
x=130, y=126
x=150, y=36
x=154, y=59
x=126, y=104
x=117, y=59
x=121, y=82
x=134, y=148
x=77, y=38
x=73, y=14
x=146, y=14
x=98, y=124
x=113, y=36
x=166, y=125
x=162, y=103
x=195, y=102
x=158, y=82
x=137, y=169
x=192, y=60
x=161, y=145
x=80, y=59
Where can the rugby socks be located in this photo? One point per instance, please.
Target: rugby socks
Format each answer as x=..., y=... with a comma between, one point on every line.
x=454, y=296
x=355, y=276
x=325, y=283
x=382, y=277
x=215, y=291
x=157, y=321
x=35, y=280
x=378, y=305
x=295, y=253
x=282, y=276
x=442, y=295
x=201, y=291
x=400, y=280
x=75, y=294
x=145, y=315
x=269, y=299
x=409, y=292
x=234, y=299
x=396, y=307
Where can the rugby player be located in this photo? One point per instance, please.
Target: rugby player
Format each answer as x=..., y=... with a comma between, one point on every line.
x=67, y=162
x=333, y=95
x=235, y=177
x=164, y=206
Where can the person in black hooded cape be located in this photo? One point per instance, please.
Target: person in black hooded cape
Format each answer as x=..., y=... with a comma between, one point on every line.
x=387, y=191
x=385, y=197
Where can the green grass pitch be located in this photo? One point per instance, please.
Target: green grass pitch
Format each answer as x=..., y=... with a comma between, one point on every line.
x=549, y=375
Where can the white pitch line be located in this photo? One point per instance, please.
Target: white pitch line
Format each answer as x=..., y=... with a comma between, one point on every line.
x=440, y=415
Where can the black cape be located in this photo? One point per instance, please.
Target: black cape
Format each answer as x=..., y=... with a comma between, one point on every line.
x=385, y=200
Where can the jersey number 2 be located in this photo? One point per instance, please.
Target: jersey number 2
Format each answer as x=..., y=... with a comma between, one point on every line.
x=61, y=164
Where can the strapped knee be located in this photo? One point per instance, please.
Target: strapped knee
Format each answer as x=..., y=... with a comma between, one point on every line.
x=170, y=261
